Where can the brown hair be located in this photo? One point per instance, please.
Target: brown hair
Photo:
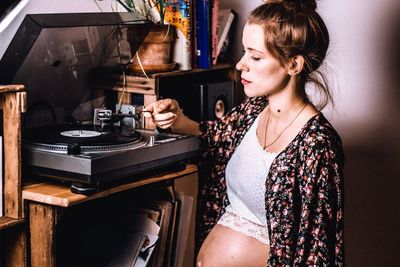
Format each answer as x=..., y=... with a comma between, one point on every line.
x=294, y=28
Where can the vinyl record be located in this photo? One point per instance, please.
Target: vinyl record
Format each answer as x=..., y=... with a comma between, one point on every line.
x=83, y=139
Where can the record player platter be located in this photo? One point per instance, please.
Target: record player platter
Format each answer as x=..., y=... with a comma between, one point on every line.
x=82, y=139
x=89, y=156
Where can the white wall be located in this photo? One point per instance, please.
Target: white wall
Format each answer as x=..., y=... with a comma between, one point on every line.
x=364, y=63
x=10, y=24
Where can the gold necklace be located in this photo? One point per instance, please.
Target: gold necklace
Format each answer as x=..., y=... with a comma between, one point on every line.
x=284, y=129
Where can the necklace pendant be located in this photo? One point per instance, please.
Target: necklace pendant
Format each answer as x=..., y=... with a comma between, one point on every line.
x=284, y=129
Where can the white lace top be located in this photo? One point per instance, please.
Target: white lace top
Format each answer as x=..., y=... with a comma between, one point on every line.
x=246, y=172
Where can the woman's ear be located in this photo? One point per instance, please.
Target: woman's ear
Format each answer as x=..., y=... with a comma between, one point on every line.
x=295, y=65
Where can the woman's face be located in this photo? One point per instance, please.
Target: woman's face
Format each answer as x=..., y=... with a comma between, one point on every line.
x=262, y=74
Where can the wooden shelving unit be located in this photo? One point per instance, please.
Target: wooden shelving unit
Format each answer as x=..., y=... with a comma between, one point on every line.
x=13, y=103
x=45, y=202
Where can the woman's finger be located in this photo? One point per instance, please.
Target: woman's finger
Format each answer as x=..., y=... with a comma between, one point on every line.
x=159, y=117
x=164, y=125
x=168, y=122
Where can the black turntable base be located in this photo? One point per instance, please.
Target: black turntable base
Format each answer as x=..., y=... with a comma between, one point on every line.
x=91, y=156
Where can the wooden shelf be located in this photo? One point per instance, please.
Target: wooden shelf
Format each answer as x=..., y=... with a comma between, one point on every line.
x=6, y=222
x=11, y=88
x=61, y=195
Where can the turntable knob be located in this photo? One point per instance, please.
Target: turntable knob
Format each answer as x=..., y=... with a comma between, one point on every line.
x=73, y=149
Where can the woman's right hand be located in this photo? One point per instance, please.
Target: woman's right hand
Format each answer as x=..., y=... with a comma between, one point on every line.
x=166, y=113
x=163, y=112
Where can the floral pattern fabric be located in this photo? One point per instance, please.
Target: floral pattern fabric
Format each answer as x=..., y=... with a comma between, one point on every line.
x=304, y=188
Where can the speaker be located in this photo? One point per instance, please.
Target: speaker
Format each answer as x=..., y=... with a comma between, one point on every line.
x=218, y=99
x=203, y=101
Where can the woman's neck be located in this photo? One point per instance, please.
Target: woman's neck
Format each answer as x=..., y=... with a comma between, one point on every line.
x=282, y=106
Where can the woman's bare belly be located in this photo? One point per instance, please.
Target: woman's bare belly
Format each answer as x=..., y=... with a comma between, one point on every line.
x=226, y=247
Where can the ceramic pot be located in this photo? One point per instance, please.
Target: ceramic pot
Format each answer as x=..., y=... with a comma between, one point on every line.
x=155, y=51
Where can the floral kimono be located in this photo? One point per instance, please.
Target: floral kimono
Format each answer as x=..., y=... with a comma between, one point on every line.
x=304, y=188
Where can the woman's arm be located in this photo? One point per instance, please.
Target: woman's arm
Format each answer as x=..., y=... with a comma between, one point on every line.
x=320, y=240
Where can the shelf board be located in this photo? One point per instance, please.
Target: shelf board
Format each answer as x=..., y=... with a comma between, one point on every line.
x=61, y=195
x=6, y=222
x=11, y=88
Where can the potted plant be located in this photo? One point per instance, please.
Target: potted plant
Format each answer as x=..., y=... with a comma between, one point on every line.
x=153, y=10
x=154, y=52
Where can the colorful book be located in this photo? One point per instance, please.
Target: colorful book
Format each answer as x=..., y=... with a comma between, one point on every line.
x=179, y=14
x=203, y=34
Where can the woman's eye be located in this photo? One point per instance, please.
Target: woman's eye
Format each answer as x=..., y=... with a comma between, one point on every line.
x=255, y=58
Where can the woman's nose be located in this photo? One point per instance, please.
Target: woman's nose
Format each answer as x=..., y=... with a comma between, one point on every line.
x=240, y=65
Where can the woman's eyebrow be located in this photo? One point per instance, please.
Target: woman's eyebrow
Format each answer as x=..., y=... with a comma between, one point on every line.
x=254, y=50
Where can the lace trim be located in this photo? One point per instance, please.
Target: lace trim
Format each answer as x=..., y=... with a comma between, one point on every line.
x=241, y=224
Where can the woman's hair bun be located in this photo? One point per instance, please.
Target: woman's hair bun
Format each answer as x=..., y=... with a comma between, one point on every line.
x=302, y=4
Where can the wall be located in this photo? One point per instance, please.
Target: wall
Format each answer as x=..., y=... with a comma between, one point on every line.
x=364, y=64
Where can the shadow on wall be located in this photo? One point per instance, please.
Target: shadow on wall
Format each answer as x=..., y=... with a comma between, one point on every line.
x=372, y=213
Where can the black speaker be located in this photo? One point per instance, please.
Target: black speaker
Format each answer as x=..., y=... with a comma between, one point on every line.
x=203, y=101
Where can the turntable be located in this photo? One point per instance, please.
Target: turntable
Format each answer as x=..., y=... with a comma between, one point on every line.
x=91, y=156
x=53, y=56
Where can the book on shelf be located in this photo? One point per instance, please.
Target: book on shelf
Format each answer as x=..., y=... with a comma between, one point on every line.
x=184, y=217
x=160, y=254
x=214, y=13
x=226, y=18
x=125, y=252
x=179, y=14
x=203, y=34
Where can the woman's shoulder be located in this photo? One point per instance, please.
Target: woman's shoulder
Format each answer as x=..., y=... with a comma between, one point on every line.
x=319, y=134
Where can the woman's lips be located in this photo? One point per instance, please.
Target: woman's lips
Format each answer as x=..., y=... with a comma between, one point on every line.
x=244, y=81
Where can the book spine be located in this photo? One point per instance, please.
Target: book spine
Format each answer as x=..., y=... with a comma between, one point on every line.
x=203, y=34
x=193, y=33
x=214, y=30
x=178, y=13
x=225, y=31
x=191, y=23
x=226, y=20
